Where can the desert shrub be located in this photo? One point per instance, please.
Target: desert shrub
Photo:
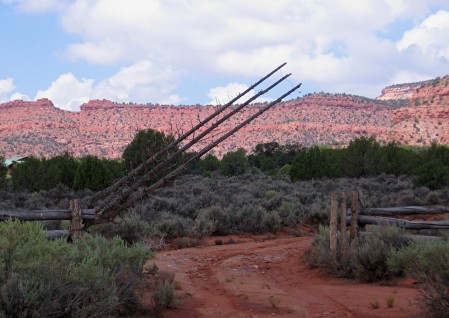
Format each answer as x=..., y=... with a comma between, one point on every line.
x=371, y=257
x=202, y=227
x=220, y=219
x=427, y=262
x=290, y=214
x=42, y=278
x=130, y=227
x=321, y=256
x=163, y=291
x=250, y=219
x=271, y=222
x=366, y=261
x=174, y=225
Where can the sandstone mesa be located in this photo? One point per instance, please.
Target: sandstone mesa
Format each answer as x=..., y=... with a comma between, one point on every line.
x=104, y=128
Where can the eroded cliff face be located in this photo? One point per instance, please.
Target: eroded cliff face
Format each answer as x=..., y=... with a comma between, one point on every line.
x=400, y=91
x=426, y=118
x=104, y=128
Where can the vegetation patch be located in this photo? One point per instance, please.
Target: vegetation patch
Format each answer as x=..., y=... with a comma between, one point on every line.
x=91, y=277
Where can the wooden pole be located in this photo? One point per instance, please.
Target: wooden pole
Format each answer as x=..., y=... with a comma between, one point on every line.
x=43, y=215
x=77, y=222
x=342, y=234
x=136, y=192
x=145, y=165
x=354, y=216
x=333, y=224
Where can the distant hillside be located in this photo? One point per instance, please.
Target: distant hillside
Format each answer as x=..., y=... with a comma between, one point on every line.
x=401, y=91
x=104, y=128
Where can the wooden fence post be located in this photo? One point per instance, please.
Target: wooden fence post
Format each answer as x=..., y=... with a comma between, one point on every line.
x=342, y=234
x=76, y=226
x=333, y=224
x=354, y=216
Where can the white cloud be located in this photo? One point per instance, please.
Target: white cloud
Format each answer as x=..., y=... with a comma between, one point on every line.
x=141, y=82
x=19, y=96
x=408, y=77
x=431, y=36
x=328, y=43
x=331, y=45
x=67, y=92
x=6, y=85
x=37, y=5
x=220, y=95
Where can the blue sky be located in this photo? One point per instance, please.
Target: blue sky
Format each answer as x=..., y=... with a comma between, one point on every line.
x=196, y=51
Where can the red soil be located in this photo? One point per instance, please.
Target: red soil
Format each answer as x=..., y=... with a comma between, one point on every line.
x=238, y=280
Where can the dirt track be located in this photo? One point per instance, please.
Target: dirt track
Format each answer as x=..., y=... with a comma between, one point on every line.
x=267, y=276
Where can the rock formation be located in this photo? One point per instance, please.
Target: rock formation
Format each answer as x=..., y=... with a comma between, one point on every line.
x=104, y=128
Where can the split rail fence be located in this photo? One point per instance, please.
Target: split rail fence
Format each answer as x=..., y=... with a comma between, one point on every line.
x=158, y=170
x=357, y=217
x=74, y=214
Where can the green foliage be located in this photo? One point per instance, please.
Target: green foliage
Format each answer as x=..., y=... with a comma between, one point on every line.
x=163, y=286
x=315, y=163
x=36, y=174
x=433, y=174
x=234, y=163
x=366, y=261
x=3, y=171
x=270, y=157
x=130, y=227
x=67, y=166
x=362, y=157
x=428, y=262
x=42, y=278
x=145, y=144
x=207, y=165
x=93, y=174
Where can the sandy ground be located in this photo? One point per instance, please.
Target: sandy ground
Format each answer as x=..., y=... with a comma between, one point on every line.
x=268, y=276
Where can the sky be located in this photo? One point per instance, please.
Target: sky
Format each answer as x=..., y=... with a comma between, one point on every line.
x=187, y=52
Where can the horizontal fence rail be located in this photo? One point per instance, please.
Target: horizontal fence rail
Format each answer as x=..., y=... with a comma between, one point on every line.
x=405, y=210
x=46, y=215
x=357, y=217
x=404, y=224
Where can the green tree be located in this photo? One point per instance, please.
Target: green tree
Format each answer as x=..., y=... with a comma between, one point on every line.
x=234, y=163
x=362, y=157
x=206, y=165
x=115, y=166
x=433, y=174
x=92, y=174
x=396, y=160
x=29, y=175
x=67, y=165
x=309, y=164
x=3, y=171
x=145, y=144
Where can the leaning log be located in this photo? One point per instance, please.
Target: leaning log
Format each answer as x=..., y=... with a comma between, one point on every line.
x=405, y=210
x=111, y=210
x=404, y=224
x=141, y=168
x=45, y=215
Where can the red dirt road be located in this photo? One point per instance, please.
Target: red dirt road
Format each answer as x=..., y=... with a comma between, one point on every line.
x=266, y=278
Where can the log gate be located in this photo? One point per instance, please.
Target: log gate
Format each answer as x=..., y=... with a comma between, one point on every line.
x=357, y=217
